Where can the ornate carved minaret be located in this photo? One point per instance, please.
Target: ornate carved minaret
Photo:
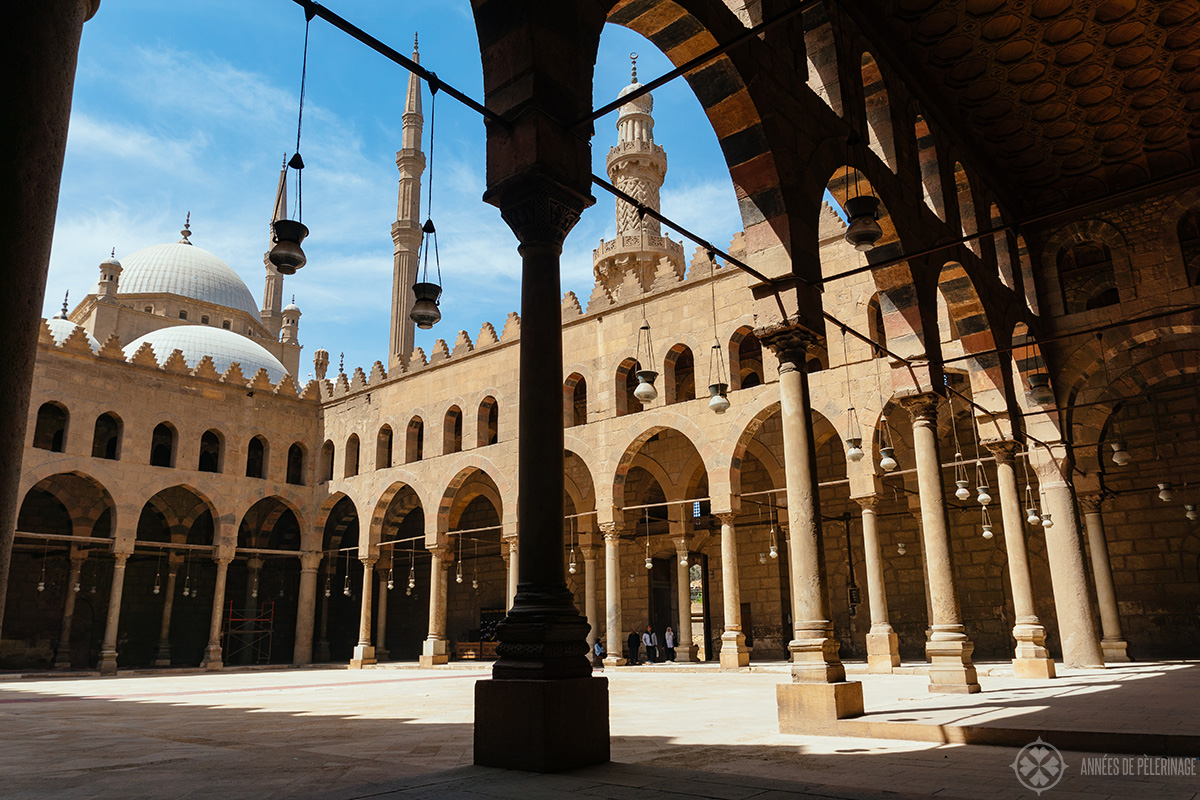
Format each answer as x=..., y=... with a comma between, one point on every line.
x=271, y=314
x=406, y=230
x=638, y=167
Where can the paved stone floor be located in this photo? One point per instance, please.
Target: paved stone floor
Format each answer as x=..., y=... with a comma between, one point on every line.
x=406, y=733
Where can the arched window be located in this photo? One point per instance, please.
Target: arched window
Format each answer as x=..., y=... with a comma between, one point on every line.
x=745, y=359
x=414, y=441
x=295, y=465
x=452, y=431
x=931, y=175
x=626, y=381
x=256, y=458
x=50, y=431
x=327, y=455
x=162, y=446
x=210, y=451
x=182, y=314
x=1189, y=245
x=1087, y=277
x=879, y=112
x=489, y=422
x=204, y=319
x=820, y=48
x=679, y=374
x=875, y=328
x=1004, y=250
x=383, y=448
x=351, y=465
x=106, y=442
x=968, y=222
x=574, y=400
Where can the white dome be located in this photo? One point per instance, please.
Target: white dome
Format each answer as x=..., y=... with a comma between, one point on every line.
x=641, y=105
x=188, y=271
x=198, y=341
x=61, y=328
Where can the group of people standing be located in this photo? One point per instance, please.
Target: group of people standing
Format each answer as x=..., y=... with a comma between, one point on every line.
x=648, y=640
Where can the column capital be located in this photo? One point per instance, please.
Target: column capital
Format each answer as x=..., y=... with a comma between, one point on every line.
x=922, y=406
x=538, y=209
x=867, y=501
x=369, y=561
x=223, y=560
x=1004, y=450
x=1090, y=503
x=311, y=560
x=726, y=517
x=681, y=544
x=589, y=552
x=611, y=531
x=789, y=342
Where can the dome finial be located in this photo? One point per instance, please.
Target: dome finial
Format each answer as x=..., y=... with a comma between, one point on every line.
x=63, y=315
x=341, y=363
x=414, y=42
x=187, y=229
x=113, y=254
x=633, y=57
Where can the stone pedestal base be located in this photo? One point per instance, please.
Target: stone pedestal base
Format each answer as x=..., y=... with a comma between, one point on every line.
x=883, y=652
x=364, y=656
x=734, y=653
x=434, y=652
x=950, y=667
x=212, y=659
x=322, y=653
x=382, y=654
x=161, y=662
x=1114, y=651
x=614, y=661
x=805, y=707
x=541, y=725
x=1034, y=668
x=686, y=653
x=108, y=663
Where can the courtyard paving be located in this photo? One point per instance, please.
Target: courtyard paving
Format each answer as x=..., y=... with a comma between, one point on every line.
x=406, y=733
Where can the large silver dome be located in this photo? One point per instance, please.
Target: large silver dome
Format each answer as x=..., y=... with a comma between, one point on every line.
x=186, y=270
x=198, y=341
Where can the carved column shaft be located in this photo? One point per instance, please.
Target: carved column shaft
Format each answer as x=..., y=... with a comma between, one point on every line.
x=883, y=653
x=1112, y=642
x=62, y=655
x=306, y=608
x=212, y=653
x=613, y=624
x=108, y=649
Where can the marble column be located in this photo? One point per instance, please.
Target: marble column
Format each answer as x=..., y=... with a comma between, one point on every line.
x=1031, y=658
x=614, y=631
x=589, y=598
x=1112, y=641
x=108, y=648
x=734, y=653
x=1064, y=552
x=162, y=657
x=322, y=650
x=436, y=648
x=39, y=46
x=684, y=649
x=306, y=608
x=381, y=651
x=511, y=564
x=364, y=651
x=62, y=653
x=883, y=646
x=212, y=654
x=949, y=650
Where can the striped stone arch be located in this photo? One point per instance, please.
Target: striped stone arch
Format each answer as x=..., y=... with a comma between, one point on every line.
x=684, y=33
x=1027, y=360
x=823, y=430
x=260, y=529
x=469, y=483
x=1080, y=232
x=393, y=506
x=84, y=498
x=634, y=448
x=579, y=484
x=326, y=510
x=970, y=319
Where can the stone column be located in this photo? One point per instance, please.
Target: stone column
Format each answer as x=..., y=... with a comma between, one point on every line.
x=322, y=653
x=306, y=608
x=364, y=651
x=614, y=631
x=39, y=46
x=108, y=648
x=510, y=563
x=1112, y=642
x=589, y=598
x=249, y=633
x=1031, y=659
x=62, y=653
x=1064, y=552
x=436, y=650
x=949, y=649
x=883, y=646
x=381, y=651
x=684, y=649
x=212, y=654
x=162, y=658
x=734, y=653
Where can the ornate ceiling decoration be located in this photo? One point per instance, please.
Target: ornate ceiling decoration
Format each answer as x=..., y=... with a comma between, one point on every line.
x=1071, y=98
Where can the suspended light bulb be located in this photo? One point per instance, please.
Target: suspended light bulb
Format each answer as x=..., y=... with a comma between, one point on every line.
x=983, y=497
x=900, y=548
x=854, y=451
x=963, y=492
x=1189, y=511
x=862, y=230
x=1033, y=517
x=887, y=461
x=645, y=391
x=391, y=583
x=77, y=587
x=1164, y=492
x=987, y=524
x=1120, y=455
x=718, y=402
x=774, y=553
x=328, y=587
x=683, y=561
x=1039, y=389
x=649, y=562
x=41, y=586
x=1047, y=523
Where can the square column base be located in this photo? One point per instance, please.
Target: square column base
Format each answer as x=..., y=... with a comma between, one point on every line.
x=541, y=725
x=614, y=661
x=950, y=667
x=434, y=652
x=1114, y=651
x=1034, y=668
x=734, y=653
x=364, y=656
x=805, y=707
x=108, y=663
x=883, y=652
x=685, y=653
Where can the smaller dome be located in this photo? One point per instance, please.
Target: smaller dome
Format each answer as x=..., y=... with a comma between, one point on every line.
x=641, y=105
x=291, y=308
x=61, y=328
x=198, y=341
x=110, y=262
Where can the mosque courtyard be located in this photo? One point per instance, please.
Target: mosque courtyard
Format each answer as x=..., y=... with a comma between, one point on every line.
x=676, y=732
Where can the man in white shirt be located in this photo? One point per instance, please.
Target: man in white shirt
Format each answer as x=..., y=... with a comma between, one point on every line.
x=669, y=643
x=650, y=643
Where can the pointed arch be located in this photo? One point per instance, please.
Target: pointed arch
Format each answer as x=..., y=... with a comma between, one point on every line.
x=679, y=374
x=745, y=359
x=383, y=447
x=574, y=400
x=488, y=422
x=452, y=426
x=50, y=428
x=967, y=220
x=106, y=438
x=212, y=451
x=350, y=466
x=878, y=112
x=414, y=440
x=930, y=171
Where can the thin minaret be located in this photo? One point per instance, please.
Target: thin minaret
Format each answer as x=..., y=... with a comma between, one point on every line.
x=272, y=305
x=406, y=230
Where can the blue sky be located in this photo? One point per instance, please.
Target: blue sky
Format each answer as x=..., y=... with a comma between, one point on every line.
x=192, y=107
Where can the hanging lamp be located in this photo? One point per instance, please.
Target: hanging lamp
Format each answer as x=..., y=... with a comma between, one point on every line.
x=1120, y=455
x=854, y=451
x=475, y=564
x=645, y=391
x=887, y=451
x=571, y=534
x=649, y=560
x=718, y=390
x=286, y=254
x=187, y=575
x=427, y=293
x=1165, y=493
x=458, y=576
x=412, y=572
x=41, y=587
x=773, y=536
x=900, y=548
x=254, y=586
x=862, y=211
x=1047, y=523
x=982, y=485
x=346, y=585
x=1189, y=511
x=391, y=581
x=987, y=524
